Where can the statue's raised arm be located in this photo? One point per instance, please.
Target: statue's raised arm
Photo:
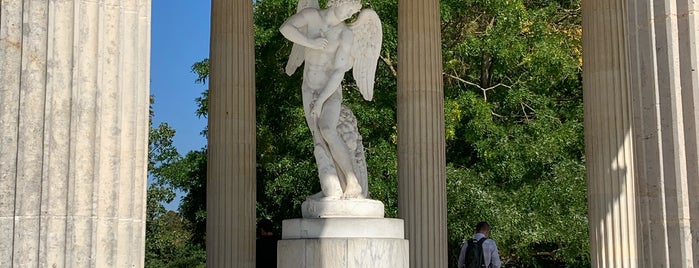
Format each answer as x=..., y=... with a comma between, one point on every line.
x=297, y=51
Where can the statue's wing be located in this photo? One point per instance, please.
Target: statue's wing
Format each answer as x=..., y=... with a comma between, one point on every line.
x=347, y=128
x=297, y=51
x=366, y=47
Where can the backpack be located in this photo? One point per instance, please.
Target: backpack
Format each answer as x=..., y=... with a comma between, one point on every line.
x=474, y=253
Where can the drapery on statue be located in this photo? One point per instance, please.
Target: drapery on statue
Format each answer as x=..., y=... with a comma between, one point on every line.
x=330, y=48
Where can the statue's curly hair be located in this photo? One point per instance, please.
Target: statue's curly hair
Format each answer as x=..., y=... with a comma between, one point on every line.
x=332, y=3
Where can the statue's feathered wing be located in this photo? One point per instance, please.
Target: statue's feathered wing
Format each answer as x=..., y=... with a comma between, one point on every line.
x=297, y=51
x=366, y=47
x=347, y=128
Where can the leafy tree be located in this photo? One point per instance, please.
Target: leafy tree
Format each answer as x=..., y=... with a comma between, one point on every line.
x=169, y=235
x=169, y=244
x=513, y=92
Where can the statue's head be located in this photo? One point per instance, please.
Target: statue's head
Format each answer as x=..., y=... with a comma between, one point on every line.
x=344, y=9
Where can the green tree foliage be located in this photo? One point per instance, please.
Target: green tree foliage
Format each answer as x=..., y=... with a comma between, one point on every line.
x=513, y=106
x=173, y=239
x=513, y=113
x=168, y=243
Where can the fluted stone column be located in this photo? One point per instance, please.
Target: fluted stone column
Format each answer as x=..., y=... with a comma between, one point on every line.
x=612, y=194
x=641, y=89
x=230, y=223
x=74, y=98
x=663, y=55
x=421, y=155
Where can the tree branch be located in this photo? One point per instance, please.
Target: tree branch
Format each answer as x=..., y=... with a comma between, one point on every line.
x=484, y=90
x=526, y=117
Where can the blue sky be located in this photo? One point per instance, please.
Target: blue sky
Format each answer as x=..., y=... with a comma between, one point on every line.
x=179, y=37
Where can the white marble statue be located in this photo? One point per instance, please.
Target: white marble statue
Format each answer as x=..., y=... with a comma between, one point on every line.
x=329, y=48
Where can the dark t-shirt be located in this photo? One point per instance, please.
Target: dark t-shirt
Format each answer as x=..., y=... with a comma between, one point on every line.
x=266, y=252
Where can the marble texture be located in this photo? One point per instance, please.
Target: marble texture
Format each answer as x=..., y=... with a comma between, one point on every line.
x=74, y=95
x=341, y=208
x=342, y=228
x=343, y=252
x=358, y=248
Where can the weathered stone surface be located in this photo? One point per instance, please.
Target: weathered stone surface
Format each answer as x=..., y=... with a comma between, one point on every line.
x=342, y=243
x=230, y=203
x=343, y=252
x=641, y=105
x=342, y=228
x=73, y=126
x=421, y=145
x=340, y=207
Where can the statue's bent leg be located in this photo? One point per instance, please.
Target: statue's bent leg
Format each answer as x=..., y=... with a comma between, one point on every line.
x=329, y=181
x=327, y=174
x=339, y=151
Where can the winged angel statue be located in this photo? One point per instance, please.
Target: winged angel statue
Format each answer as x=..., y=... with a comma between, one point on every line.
x=329, y=47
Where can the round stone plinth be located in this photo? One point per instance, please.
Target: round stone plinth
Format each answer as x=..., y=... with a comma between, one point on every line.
x=342, y=208
x=343, y=228
x=343, y=252
x=343, y=242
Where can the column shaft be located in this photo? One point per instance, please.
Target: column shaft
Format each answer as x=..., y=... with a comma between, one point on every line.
x=421, y=155
x=641, y=64
x=663, y=57
x=74, y=132
x=231, y=196
x=608, y=136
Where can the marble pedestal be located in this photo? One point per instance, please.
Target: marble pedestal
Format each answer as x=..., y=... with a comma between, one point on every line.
x=342, y=242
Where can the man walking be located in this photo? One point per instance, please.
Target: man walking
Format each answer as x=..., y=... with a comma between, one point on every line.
x=482, y=251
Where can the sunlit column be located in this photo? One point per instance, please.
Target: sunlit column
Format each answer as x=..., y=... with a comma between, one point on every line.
x=230, y=203
x=74, y=96
x=663, y=57
x=647, y=50
x=421, y=155
x=608, y=136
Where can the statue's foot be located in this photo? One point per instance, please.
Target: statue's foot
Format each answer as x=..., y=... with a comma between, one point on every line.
x=353, y=190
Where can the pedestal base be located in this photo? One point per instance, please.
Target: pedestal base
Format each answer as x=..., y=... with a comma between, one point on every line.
x=342, y=242
x=341, y=208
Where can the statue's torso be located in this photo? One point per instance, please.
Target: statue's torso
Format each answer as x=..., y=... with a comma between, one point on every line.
x=324, y=59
